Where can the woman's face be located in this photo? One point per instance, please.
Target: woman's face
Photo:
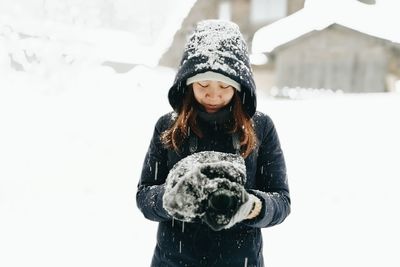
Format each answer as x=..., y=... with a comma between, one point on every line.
x=212, y=95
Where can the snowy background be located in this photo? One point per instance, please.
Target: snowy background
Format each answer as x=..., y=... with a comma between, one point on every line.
x=73, y=135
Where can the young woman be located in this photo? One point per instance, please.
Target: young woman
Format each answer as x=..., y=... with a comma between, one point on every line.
x=214, y=102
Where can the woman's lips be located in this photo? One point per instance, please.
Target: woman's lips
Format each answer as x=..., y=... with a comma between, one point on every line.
x=211, y=107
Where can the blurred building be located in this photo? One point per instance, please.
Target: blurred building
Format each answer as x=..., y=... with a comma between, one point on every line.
x=335, y=57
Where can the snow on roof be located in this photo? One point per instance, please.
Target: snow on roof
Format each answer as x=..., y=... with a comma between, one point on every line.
x=376, y=20
x=105, y=43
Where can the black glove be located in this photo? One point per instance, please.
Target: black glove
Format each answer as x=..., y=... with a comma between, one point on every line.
x=223, y=202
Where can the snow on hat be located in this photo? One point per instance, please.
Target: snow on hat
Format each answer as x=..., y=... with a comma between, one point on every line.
x=213, y=76
x=216, y=46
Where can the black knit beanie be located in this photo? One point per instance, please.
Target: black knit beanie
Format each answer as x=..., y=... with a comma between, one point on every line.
x=218, y=46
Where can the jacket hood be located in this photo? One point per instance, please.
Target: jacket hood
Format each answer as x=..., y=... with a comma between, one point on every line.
x=218, y=46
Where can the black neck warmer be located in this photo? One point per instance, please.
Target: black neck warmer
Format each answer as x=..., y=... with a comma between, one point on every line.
x=222, y=117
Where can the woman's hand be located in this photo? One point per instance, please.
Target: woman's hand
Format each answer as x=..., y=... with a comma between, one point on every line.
x=248, y=210
x=257, y=205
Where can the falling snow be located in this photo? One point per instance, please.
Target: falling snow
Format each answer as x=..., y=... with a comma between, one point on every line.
x=83, y=151
x=156, y=171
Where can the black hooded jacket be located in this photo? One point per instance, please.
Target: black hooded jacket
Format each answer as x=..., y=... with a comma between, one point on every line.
x=195, y=244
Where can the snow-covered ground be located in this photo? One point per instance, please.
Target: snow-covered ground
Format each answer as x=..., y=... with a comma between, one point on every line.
x=71, y=156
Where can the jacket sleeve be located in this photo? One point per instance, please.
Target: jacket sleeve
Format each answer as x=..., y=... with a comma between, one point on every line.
x=150, y=189
x=272, y=184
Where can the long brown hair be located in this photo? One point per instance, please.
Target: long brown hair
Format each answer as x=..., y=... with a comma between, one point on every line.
x=186, y=122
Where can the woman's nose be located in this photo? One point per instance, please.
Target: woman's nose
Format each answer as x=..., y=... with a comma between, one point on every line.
x=211, y=93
